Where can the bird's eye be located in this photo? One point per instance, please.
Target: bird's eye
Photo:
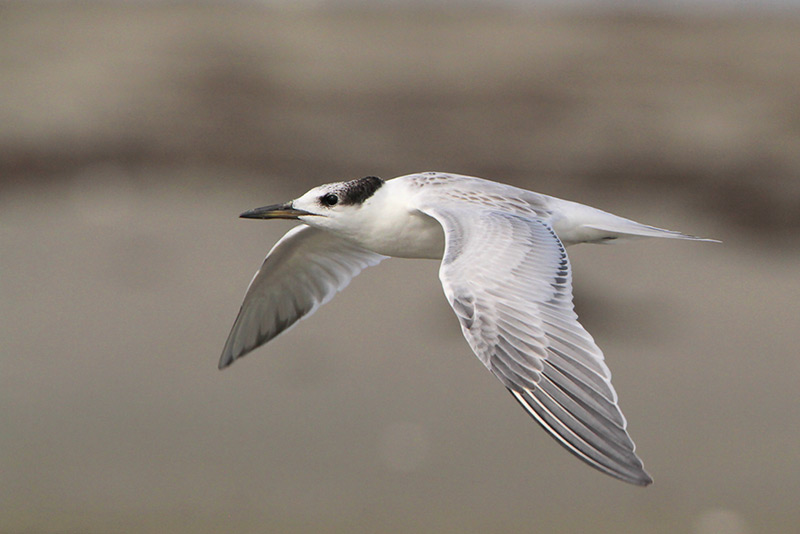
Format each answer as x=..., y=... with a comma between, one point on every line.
x=329, y=200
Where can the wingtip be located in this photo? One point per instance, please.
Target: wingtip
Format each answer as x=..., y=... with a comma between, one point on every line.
x=643, y=480
x=637, y=478
x=628, y=469
x=225, y=361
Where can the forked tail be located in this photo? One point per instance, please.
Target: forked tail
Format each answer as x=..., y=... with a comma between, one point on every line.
x=629, y=229
x=578, y=223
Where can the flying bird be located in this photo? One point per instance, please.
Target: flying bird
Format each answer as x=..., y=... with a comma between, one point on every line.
x=504, y=270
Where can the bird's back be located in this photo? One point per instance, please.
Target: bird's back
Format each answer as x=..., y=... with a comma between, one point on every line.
x=572, y=222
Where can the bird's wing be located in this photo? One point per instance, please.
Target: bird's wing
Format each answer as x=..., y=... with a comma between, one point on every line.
x=303, y=271
x=509, y=281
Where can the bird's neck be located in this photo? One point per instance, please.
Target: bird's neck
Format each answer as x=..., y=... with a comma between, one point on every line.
x=390, y=225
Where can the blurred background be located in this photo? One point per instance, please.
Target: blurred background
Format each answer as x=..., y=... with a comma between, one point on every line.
x=133, y=134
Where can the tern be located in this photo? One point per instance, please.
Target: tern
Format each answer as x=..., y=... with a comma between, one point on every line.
x=504, y=270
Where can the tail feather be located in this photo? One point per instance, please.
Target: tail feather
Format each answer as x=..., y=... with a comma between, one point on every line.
x=578, y=223
x=631, y=229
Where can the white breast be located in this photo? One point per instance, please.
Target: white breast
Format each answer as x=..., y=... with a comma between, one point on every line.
x=409, y=235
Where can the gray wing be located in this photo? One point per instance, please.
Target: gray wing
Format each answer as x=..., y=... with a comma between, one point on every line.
x=303, y=271
x=509, y=281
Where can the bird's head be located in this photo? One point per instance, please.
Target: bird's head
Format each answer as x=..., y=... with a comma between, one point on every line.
x=324, y=206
